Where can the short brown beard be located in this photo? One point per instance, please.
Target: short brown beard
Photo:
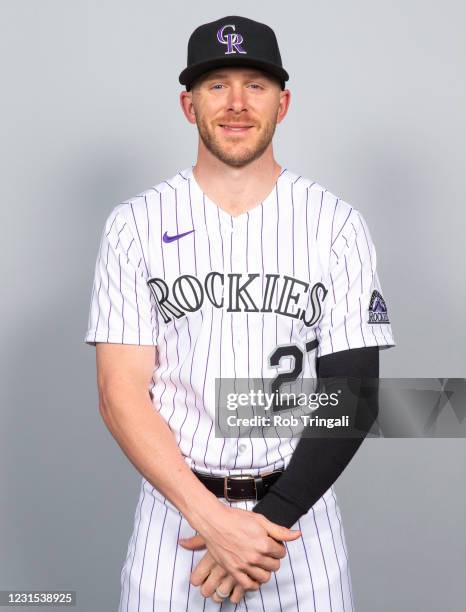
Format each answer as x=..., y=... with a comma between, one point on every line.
x=249, y=155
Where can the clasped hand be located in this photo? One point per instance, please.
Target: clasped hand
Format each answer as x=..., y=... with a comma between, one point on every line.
x=243, y=549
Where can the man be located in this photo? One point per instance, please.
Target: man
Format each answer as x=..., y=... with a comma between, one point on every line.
x=236, y=268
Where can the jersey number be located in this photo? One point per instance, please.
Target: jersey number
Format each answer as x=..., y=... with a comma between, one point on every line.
x=289, y=350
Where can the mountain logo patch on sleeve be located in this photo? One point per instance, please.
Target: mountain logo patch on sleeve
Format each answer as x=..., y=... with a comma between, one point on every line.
x=377, y=309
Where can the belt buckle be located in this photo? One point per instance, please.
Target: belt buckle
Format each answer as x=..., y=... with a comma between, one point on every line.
x=237, y=477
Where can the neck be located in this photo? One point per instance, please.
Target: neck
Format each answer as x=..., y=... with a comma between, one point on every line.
x=236, y=190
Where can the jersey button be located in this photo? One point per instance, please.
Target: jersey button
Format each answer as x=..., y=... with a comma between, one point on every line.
x=242, y=448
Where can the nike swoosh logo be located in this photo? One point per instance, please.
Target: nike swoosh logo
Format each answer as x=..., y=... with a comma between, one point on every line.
x=167, y=238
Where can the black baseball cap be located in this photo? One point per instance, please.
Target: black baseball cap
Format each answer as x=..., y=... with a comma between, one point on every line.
x=232, y=41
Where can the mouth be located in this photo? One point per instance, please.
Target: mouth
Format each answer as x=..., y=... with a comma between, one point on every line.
x=235, y=128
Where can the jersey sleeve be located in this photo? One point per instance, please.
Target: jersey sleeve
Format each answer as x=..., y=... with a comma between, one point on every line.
x=121, y=309
x=355, y=312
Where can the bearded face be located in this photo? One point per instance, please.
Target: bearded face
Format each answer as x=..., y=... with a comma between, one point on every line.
x=236, y=114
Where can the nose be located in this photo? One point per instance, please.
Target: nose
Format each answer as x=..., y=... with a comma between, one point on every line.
x=237, y=98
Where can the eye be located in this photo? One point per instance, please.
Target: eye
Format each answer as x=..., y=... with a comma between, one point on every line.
x=216, y=85
x=255, y=85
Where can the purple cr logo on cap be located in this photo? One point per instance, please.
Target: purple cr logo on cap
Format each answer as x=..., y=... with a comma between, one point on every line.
x=233, y=40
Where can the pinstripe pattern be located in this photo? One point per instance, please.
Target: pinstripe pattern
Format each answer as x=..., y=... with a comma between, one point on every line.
x=208, y=303
x=313, y=577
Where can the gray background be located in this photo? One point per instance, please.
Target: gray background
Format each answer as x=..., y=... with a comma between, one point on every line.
x=91, y=117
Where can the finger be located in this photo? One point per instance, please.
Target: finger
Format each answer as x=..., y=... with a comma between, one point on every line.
x=269, y=564
x=282, y=533
x=213, y=580
x=258, y=574
x=275, y=549
x=245, y=581
x=202, y=570
x=237, y=595
x=196, y=542
x=226, y=586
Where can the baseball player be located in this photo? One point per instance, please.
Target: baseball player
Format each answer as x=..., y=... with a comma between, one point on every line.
x=234, y=268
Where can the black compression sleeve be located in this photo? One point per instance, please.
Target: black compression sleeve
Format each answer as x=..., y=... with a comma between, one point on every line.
x=317, y=462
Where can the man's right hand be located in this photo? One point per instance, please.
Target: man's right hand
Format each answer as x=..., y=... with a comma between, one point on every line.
x=242, y=542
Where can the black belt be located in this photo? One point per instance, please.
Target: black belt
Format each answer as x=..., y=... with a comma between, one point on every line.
x=241, y=486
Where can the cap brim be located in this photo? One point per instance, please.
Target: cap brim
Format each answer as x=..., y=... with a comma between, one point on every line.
x=189, y=74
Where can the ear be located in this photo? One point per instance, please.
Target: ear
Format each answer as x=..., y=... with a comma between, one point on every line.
x=186, y=102
x=285, y=98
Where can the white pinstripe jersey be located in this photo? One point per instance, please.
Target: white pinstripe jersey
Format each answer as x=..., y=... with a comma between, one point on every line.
x=219, y=300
